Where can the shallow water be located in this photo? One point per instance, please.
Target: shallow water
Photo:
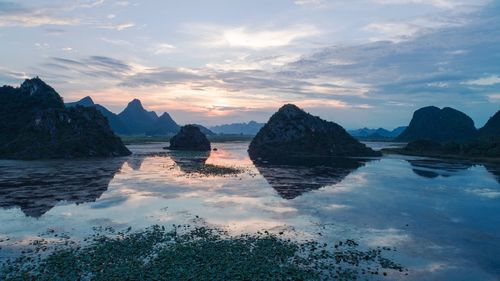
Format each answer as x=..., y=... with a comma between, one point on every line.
x=441, y=215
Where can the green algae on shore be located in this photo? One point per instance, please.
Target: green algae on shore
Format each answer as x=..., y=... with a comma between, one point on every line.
x=199, y=253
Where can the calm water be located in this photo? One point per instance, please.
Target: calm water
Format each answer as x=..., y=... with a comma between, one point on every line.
x=442, y=216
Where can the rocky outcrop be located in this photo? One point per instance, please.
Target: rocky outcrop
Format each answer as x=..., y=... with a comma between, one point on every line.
x=34, y=124
x=441, y=125
x=293, y=132
x=492, y=128
x=190, y=138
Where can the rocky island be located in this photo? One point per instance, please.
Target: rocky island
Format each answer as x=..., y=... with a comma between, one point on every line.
x=433, y=123
x=293, y=132
x=35, y=124
x=450, y=133
x=190, y=138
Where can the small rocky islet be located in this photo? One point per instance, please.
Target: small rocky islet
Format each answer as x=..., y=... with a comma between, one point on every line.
x=35, y=124
x=190, y=138
x=292, y=132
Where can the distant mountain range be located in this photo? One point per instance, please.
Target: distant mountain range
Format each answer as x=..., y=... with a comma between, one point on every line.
x=379, y=133
x=134, y=119
x=250, y=128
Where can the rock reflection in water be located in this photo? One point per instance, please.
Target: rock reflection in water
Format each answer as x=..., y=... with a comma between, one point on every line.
x=494, y=169
x=189, y=161
x=293, y=176
x=38, y=186
x=432, y=168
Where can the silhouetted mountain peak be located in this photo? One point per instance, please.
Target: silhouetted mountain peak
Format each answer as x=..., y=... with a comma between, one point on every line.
x=86, y=101
x=165, y=116
x=135, y=104
x=137, y=118
x=35, y=87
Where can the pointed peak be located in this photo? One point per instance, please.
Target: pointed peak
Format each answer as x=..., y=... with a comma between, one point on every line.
x=135, y=103
x=164, y=115
x=86, y=101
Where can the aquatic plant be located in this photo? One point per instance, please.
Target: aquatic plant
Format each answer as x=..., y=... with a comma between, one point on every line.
x=198, y=253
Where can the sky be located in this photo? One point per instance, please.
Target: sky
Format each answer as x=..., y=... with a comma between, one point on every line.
x=360, y=63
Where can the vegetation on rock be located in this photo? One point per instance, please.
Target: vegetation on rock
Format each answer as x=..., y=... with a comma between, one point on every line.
x=35, y=124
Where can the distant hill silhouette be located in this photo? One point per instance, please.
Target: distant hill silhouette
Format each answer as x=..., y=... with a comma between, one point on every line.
x=86, y=101
x=377, y=133
x=138, y=120
x=114, y=121
x=204, y=129
x=34, y=124
x=134, y=119
x=492, y=128
x=293, y=132
x=441, y=125
x=250, y=128
x=164, y=125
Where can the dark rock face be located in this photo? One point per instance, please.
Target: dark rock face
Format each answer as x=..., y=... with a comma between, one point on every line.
x=164, y=125
x=293, y=132
x=492, y=128
x=190, y=138
x=439, y=125
x=138, y=120
x=34, y=124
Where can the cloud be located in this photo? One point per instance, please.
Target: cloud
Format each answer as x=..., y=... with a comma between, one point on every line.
x=446, y=4
x=55, y=31
x=310, y=3
x=485, y=81
x=119, y=26
x=251, y=38
x=423, y=69
x=163, y=48
x=93, y=66
x=31, y=19
x=14, y=14
x=161, y=77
